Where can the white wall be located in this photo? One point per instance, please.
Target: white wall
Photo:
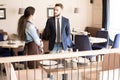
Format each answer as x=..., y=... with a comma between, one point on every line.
x=78, y=21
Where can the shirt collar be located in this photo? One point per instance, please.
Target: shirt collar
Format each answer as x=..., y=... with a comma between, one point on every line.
x=59, y=17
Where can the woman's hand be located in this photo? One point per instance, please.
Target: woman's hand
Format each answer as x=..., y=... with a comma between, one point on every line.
x=41, y=44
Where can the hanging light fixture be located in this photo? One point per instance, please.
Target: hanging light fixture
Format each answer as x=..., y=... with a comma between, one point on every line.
x=91, y=1
x=76, y=10
x=21, y=10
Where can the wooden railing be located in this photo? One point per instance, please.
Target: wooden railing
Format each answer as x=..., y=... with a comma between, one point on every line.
x=71, y=69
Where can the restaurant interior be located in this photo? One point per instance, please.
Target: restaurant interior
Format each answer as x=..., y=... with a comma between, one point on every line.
x=91, y=32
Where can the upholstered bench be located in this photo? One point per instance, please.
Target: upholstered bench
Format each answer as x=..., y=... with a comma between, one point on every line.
x=92, y=30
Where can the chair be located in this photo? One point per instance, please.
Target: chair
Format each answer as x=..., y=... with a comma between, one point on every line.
x=1, y=37
x=4, y=51
x=101, y=34
x=82, y=43
x=116, y=43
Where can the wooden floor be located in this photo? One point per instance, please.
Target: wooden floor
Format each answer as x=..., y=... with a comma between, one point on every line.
x=72, y=74
x=2, y=75
x=40, y=74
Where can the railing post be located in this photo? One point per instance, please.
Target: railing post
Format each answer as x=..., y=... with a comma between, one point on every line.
x=10, y=72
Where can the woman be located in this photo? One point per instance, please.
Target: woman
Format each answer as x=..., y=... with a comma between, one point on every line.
x=27, y=32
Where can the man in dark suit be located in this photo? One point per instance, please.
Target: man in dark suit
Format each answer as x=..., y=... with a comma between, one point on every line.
x=59, y=37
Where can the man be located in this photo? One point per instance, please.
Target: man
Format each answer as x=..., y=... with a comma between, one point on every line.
x=57, y=31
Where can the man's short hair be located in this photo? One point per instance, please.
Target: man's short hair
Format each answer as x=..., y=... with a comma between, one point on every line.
x=60, y=5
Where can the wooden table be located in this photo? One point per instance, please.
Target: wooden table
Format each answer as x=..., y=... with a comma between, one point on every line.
x=11, y=44
x=8, y=66
x=58, y=71
x=66, y=67
x=97, y=40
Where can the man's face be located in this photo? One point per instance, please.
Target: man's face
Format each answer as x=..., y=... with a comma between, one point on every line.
x=57, y=11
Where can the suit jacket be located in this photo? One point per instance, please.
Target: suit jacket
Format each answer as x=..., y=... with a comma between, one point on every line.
x=49, y=33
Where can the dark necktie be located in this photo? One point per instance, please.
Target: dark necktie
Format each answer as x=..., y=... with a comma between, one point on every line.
x=58, y=30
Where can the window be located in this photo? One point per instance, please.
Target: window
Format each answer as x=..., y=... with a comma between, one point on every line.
x=114, y=27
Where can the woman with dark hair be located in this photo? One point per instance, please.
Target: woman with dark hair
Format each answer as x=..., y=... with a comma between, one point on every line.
x=28, y=32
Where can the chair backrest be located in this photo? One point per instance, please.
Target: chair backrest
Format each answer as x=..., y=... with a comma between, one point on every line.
x=82, y=43
x=116, y=43
x=1, y=37
x=103, y=34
